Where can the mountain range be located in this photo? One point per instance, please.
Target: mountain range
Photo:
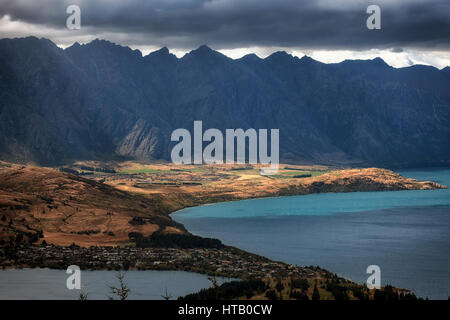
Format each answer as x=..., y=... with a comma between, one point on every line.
x=102, y=101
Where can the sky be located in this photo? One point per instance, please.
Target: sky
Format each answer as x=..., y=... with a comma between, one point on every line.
x=412, y=31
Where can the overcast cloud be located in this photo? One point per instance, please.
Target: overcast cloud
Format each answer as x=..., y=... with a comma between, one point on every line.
x=409, y=27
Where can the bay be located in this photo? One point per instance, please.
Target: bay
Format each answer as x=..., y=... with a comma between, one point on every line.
x=406, y=233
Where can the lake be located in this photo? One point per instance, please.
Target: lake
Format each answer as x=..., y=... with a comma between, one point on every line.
x=406, y=233
x=45, y=284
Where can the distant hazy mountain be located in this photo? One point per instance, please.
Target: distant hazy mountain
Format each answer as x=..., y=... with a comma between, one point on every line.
x=104, y=101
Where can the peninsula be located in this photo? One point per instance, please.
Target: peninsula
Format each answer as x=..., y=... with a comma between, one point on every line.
x=116, y=215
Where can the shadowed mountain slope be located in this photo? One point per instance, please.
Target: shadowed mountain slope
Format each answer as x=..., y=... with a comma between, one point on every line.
x=104, y=101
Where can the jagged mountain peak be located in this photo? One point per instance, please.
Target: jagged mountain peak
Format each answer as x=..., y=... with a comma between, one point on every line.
x=281, y=57
x=86, y=104
x=280, y=54
x=163, y=53
x=163, y=50
x=204, y=52
x=102, y=42
x=308, y=59
x=203, y=49
x=104, y=46
x=250, y=57
x=29, y=43
x=378, y=62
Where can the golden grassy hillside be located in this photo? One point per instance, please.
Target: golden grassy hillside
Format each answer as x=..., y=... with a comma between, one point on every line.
x=65, y=208
x=98, y=206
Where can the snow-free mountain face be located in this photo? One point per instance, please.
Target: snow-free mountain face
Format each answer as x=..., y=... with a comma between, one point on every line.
x=103, y=101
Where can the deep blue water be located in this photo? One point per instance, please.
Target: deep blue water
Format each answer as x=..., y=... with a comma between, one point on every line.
x=406, y=233
x=44, y=284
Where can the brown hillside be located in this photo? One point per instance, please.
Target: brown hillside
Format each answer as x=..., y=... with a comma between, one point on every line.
x=44, y=204
x=62, y=208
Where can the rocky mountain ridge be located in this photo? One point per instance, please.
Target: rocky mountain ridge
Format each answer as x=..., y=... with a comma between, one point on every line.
x=101, y=101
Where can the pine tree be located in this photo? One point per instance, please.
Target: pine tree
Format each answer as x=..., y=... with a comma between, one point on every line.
x=166, y=296
x=316, y=294
x=122, y=291
x=83, y=296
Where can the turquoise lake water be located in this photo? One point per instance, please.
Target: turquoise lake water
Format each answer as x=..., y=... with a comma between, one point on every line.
x=406, y=233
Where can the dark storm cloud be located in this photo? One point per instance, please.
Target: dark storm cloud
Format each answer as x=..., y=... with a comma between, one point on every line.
x=396, y=50
x=326, y=24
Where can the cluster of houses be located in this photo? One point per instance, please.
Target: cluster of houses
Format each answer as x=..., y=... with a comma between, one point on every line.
x=225, y=262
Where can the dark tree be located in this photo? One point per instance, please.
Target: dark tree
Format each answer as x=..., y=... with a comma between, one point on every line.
x=122, y=291
x=271, y=295
x=316, y=294
x=166, y=296
x=83, y=296
x=279, y=286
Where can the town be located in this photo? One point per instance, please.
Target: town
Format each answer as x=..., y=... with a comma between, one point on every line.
x=227, y=262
